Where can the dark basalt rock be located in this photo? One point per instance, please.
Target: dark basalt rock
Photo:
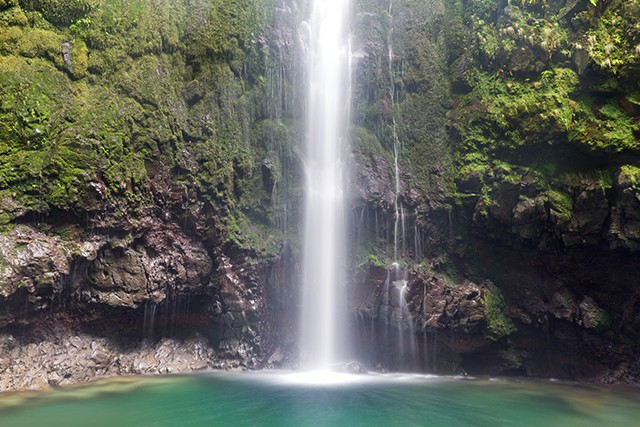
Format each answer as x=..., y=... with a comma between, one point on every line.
x=150, y=300
x=57, y=354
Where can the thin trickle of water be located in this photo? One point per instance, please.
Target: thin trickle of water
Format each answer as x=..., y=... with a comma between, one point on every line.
x=359, y=227
x=451, y=234
x=403, y=317
x=417, y=242
x=149, y=319
x=403, y=231
x=398, y=234
x=325, y=39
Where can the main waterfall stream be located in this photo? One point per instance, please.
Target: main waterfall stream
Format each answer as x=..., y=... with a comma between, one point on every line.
x=323, y=315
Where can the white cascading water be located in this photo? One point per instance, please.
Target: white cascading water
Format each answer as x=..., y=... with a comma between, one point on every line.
x=325, y=37
x=397, y=275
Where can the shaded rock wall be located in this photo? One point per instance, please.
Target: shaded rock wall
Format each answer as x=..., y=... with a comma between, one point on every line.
x=519, y=241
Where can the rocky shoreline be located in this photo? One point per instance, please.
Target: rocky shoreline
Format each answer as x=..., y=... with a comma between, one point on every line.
x=82, y=305
x=73, y=358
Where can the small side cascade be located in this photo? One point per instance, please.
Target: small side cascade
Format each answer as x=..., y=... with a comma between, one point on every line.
x=396, y=314
x=417, y=241
x=399, y=222
x=397, y=284
x=149, y=319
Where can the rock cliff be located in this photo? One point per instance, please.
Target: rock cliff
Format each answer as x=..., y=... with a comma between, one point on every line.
x=519, y=129
x=143, y=171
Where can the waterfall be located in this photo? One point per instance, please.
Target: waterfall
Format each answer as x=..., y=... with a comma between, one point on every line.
x=398, y=225
x=399, y=310
x=326, y=42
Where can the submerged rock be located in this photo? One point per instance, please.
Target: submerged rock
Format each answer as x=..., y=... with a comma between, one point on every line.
x=356, y=368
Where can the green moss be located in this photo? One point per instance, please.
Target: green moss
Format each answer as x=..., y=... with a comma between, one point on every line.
x=523, y=26
x=61, y=12
x=80, y=59
x=633, y=97
x=602, y=321
x=35, y=97
x=612, y=43
x=509, y=114
x=262, y=241
x=4, y=4
x=632, y=173
x=605, y=180
x=504, y=171
x=560, y=204
x=497, y=322
x=94, y=93
x=366, y=142
x=617, y=129
x=13, y=16
x=469, y=170
x=226, y=28
x=31, y=43
x=375, y=253
x=554, y=120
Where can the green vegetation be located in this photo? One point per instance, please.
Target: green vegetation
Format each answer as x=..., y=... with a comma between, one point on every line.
x=498, y=323
x=561, y=205
x=523, y=97
x=613, y=40
x=509, y=113
x=602, y=321
x=632, y=173
x=101, y=97
x=377, y=254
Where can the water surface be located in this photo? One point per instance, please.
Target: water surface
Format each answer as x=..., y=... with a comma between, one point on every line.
x=276, y=399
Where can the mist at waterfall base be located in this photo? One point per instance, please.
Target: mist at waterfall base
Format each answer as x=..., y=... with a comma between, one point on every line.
x=263, y=399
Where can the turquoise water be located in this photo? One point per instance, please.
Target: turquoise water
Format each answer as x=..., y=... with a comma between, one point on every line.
x=260, y=399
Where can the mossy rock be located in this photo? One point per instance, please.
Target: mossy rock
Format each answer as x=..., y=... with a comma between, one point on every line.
x=629, y=176
x=560, y=205
x=13, y=16
x=61, y=12
x=498, y=323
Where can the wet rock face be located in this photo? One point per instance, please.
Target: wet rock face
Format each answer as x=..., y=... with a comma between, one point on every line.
x=153, y=300
x=238, y=309
x=565, y=263
x=554, y=289
x=624, y=229
x=534, y=324
x=443, y=306
x=451, y=316
x=133, y=219
x=102, y=269
x=580, y=214
x=66, y=356
x=29, y=258
x=434, y=305
x=162, y=260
